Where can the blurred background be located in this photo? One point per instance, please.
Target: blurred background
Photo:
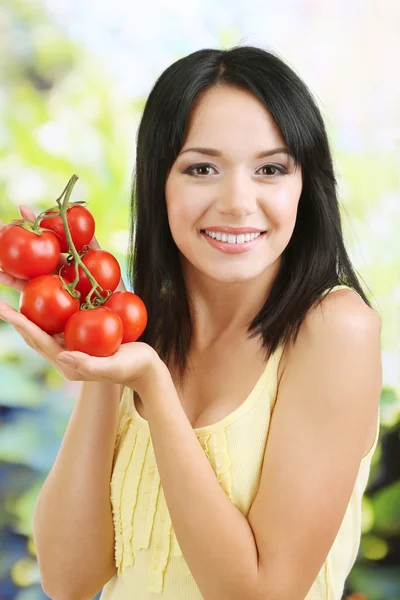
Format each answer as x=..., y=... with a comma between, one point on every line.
x=74, y=76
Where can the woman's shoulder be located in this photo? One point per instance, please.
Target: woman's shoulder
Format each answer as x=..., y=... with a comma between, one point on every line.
x=340, y=307
x=341, y=302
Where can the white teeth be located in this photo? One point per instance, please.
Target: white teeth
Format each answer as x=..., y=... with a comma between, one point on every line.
x=231, y=238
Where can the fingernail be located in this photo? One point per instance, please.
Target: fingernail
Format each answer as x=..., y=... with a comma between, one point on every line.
x=66, y=359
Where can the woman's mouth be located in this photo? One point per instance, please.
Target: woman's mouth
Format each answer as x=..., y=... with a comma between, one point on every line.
x=232, y=244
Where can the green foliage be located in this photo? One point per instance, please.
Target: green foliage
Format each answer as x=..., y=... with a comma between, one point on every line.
x=387, y=510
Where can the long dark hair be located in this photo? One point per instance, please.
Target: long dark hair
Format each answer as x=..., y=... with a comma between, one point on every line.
x=315, y=258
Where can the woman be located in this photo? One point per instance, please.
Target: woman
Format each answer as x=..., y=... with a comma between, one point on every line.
x=225, y=455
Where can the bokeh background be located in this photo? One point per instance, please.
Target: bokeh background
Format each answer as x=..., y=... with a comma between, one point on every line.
x=74, y=76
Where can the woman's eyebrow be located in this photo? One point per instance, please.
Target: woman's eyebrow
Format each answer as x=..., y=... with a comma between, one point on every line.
x=216, y=153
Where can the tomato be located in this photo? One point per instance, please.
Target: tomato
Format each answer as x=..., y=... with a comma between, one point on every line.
x=97, y=332
x=133, y=314
x=102, y=265
x=44, y=302
x=81, y=225
x=25, y=254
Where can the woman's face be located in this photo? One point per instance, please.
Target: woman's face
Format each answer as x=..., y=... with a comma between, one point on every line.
x=235, y=188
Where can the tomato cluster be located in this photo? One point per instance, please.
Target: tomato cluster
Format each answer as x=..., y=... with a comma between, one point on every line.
x=94, y=320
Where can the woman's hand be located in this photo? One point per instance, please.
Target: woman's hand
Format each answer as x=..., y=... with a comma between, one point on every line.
x=135, y=365
x=47, y=346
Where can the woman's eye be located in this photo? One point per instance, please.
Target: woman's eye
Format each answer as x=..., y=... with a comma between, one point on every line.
x=278, y=170
x=191, y=169
x=195, y=170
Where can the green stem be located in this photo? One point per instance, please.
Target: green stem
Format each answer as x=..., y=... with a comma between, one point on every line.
x=43, y=215
x=72, y=249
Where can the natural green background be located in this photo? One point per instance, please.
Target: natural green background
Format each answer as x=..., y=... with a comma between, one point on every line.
x=62, y=112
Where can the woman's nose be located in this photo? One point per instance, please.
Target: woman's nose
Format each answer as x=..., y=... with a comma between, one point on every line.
x=237, y=198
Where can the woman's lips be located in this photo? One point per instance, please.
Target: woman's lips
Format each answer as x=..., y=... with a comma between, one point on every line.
x=228, y=248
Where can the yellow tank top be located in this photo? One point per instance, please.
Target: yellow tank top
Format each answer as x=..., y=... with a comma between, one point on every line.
x=149, y=561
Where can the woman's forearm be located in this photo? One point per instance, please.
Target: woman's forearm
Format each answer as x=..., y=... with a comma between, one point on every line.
x=73, y=526
x=216, y=539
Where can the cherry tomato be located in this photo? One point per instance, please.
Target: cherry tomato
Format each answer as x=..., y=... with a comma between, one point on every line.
x=44, y=302
x=102, y=265
x=132, y=311
x=25, y=254
x=97, y=332
x=81, y=225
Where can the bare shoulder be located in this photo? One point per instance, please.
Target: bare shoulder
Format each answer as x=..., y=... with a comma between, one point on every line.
x=344, y=304
x=343, y=311
x=344, y=317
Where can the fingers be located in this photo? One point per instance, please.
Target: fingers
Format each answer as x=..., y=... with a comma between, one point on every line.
x=27, y=340
x=12, y=282
x=121, y=286
x=26, y=212
x=94, y=243
x=92, y=368
x=61, y=263
x=38, y=339
x=127, y=365
x=6, y=310
x=84, y=363
x=59, y=338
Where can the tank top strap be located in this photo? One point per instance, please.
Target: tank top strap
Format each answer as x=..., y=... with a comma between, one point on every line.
x=340, y=287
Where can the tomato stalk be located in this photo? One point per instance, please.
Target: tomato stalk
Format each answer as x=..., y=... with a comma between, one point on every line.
x=43, y=214
x=30, y=226
x=62, y=212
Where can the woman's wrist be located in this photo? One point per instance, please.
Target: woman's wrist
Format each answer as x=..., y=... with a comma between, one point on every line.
x=154, y=380
x=105, y=389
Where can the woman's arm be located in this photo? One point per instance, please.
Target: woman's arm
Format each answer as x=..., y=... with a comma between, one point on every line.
x=317, y=438
x=73, y=526
x=215, y=537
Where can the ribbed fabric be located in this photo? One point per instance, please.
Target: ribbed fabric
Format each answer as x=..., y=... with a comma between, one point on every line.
x=149, y=562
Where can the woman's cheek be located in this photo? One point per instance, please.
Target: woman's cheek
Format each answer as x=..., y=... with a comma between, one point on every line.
x=180, y=227
x=283, y=210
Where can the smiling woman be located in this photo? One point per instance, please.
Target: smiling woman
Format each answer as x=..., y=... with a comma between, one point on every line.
x=235, y=463
x=239, y=193
x=234, y=178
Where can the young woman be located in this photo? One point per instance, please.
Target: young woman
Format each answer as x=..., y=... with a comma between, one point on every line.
x=223, y=456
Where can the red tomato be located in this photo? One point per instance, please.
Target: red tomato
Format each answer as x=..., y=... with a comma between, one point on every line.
x=81, y=225
x=25, y=255
x=44, y=302
x=103, y=266
x=133, y=314
x=97, y=332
